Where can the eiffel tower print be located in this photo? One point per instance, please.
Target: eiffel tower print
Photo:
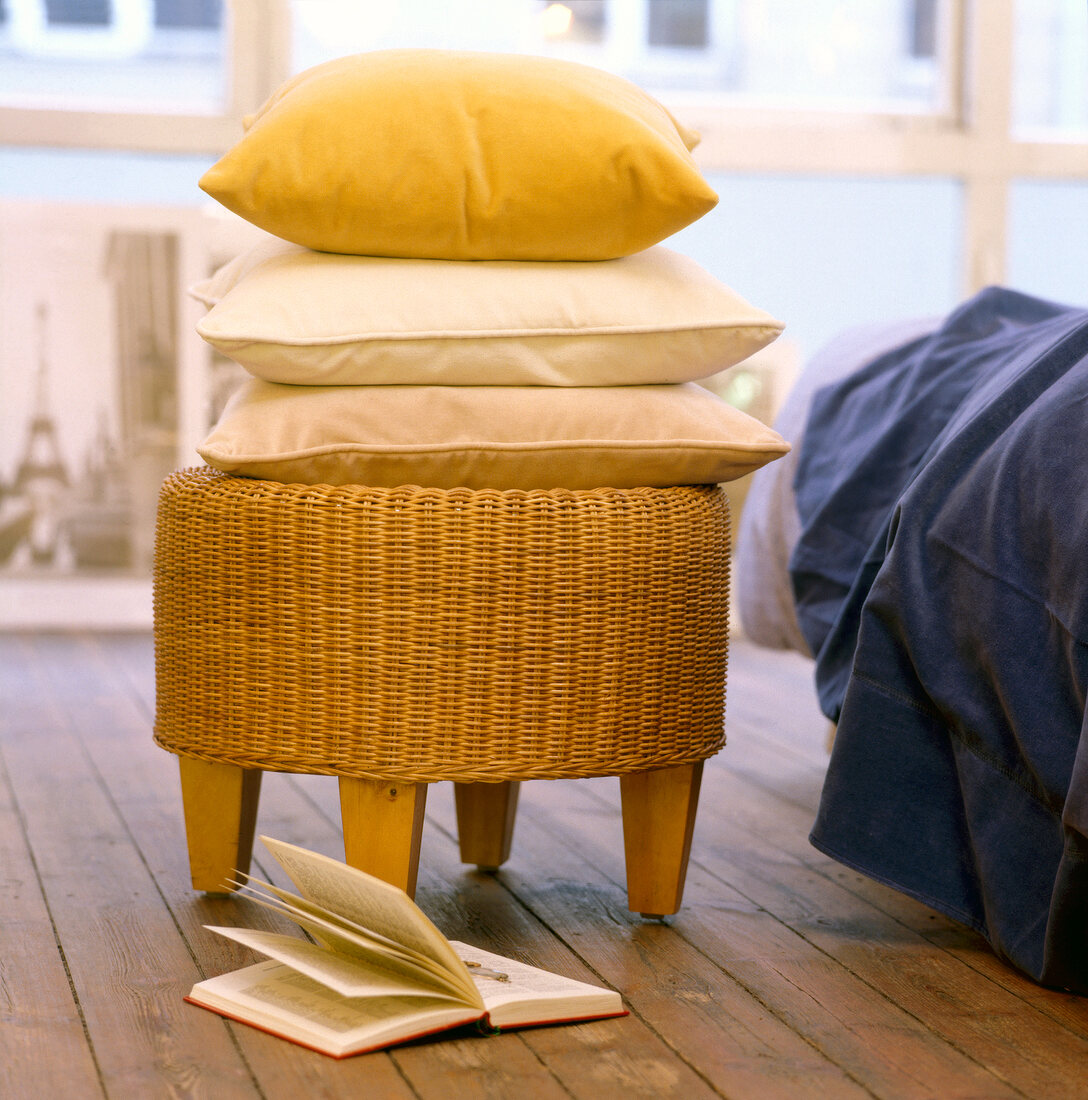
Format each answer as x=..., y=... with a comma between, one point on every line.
x=41, y=477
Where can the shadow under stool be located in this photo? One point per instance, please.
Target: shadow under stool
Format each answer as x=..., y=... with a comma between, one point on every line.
x=396, y=637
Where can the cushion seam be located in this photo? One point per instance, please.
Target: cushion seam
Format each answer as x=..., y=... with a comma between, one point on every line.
x=207, y=331
x=451, y=448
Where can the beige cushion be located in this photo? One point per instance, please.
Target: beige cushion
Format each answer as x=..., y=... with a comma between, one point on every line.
x=479, y=437
x=463, y=156
x=289, y=314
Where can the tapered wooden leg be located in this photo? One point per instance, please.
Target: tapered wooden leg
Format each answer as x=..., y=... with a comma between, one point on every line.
x=220, y=805
x=485, y=822
x=383, y=827
x=658, y=820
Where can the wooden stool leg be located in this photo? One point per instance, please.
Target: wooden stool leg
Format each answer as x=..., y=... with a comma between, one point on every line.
x=220, y=805
x=658, y=820
x=383, y=827
x=485, y=822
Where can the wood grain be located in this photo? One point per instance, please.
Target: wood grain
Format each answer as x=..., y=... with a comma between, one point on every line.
x=782, y=975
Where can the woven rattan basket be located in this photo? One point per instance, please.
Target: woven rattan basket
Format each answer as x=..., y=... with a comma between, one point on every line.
x=440, y=634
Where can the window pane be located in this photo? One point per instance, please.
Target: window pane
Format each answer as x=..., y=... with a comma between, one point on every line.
x=101, y=176
x=125, y=55
x=857, y=54
x=1048, y=239
x=824, y=254
x=1050, y=86
x=861, y=54
x=576, y=21
x=679, y=23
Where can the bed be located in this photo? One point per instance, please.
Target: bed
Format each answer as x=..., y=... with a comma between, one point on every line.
x=926, y=542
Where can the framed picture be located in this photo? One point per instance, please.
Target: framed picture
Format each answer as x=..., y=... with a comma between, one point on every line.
x=105, y=388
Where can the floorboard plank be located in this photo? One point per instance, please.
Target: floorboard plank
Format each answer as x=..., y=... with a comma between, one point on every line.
x=43, y=1048
x=959, y=1003
x=147, y=793
x=129, y=966
x=785, y=831
x=784, y=975
x=700, y=1012
x=775, y=961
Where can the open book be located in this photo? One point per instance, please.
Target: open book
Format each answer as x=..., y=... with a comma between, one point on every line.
x=380, y=972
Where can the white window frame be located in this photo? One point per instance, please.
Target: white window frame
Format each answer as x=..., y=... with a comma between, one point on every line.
x=972, y=142
x=255, y=62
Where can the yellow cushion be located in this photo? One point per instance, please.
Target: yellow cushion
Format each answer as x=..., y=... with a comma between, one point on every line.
x=464, y=156
x=289, y=314
x=479, y=437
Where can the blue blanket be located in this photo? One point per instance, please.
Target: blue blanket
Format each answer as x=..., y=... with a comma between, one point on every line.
x=941, y=579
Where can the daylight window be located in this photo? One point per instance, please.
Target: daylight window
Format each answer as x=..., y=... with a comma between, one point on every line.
x=128, y=55
x=683, y=23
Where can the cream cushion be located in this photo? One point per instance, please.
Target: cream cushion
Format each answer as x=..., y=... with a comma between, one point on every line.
x=478, y=437
x=461, y=155
x=289, y=314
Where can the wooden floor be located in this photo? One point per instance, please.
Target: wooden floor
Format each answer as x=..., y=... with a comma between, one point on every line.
x=784, y=975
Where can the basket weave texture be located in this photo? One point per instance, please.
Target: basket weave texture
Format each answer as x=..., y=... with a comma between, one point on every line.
x=434, y=634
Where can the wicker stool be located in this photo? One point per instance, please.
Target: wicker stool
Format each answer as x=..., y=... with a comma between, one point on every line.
x=398, y=637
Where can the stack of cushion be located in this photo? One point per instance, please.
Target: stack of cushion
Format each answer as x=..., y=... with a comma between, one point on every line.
x=463, y=286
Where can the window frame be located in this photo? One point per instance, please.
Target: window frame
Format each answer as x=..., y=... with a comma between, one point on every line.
x=972, y=143
x=255, y=56
x=969, y=139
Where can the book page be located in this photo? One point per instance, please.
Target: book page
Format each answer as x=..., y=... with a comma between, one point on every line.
x=526, y=994
x=339, y=935
x=363, y=899
x=350, y=977
x=262, y=891
x=271, y=996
